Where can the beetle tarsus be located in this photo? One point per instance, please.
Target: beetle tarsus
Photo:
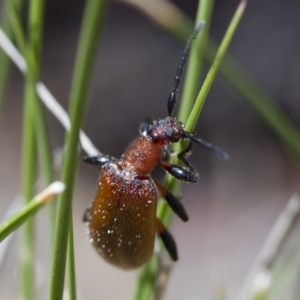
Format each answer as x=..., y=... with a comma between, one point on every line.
x=98, y=160
x=179, y=172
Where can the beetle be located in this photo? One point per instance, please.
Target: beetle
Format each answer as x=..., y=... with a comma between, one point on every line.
x=121, y=220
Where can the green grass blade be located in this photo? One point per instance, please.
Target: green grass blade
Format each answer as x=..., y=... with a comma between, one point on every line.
x=16, y=25
x=190, y=90
x=146, y=281
x=35, y=26
x=71, y=264
x=45, y=160
x=4, y=60
x=191, y=122
x=195, y=62
x=92, y=24
x=44, y=150
x=30, y=209
x=28, y=180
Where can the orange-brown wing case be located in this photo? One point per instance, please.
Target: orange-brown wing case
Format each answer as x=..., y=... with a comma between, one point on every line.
x=122, y=219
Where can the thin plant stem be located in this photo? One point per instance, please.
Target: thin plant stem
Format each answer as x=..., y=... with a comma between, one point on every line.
x=30, y=209
x=92, y=24
x=45, y=159
x=71, y=264
x=146, y=281
x=28, y=150
x=210, y=77
x=190, y=90
x=195, y=62
x=4, y=246
x=41, y=132
x=4, y=61
x=28, y=174
x=44, y=150
x=16, y=25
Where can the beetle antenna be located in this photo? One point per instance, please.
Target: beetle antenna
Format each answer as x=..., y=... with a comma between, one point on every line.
x=207, y=145
x=172, y=97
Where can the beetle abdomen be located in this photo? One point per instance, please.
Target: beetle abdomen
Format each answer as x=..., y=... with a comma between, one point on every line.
x=120, y=226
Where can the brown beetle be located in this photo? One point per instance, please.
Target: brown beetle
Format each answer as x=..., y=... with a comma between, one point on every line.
x=121, y=221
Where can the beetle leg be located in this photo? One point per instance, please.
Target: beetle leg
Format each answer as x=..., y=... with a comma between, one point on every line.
x=167, y=239
x=179, y=172
x=86, y=215
x=185, y=152
x=98, y=160
x=174, y=203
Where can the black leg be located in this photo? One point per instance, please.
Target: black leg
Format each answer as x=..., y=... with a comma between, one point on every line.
x=98, y=160
x=167, y=239
x=179, y=172
x=174, y=203
x=86, y=215
x=182, y=156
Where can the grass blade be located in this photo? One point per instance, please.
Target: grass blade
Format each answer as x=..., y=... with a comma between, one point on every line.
x=195, y=62
x=35, y=26
x=191, y=122
x=91, y=26
x=30, y=209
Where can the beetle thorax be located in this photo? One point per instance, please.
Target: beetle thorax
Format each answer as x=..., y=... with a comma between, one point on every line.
x=141, y=156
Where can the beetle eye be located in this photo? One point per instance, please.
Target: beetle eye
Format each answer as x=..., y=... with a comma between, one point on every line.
x=169, y=132
x=172, y=135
